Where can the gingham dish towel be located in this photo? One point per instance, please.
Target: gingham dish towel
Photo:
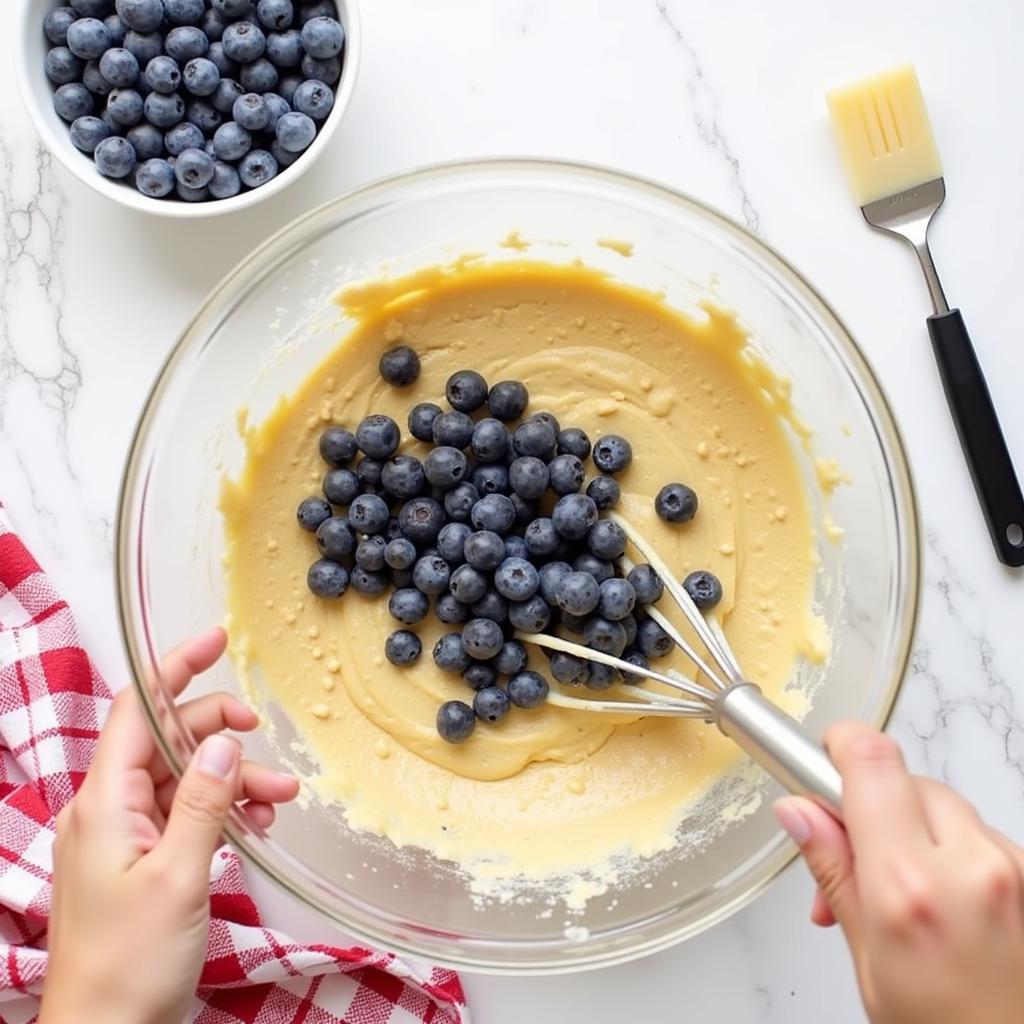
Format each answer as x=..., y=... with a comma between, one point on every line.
x=52, y=705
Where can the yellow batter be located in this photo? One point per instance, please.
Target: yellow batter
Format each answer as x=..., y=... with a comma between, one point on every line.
x=546, y=790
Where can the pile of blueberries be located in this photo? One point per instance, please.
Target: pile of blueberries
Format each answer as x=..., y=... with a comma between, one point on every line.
x=497, y=525
x=197, y=99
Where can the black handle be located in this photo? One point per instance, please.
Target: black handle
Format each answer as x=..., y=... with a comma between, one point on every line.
x=980, y=435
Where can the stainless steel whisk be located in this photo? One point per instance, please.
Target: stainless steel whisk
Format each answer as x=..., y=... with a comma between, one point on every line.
x=738, y=707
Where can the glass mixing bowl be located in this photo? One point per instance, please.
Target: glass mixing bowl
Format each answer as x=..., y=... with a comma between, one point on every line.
x=271, y=322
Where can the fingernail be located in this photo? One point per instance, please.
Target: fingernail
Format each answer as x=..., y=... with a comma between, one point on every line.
x=797, y=827
x=218, y=756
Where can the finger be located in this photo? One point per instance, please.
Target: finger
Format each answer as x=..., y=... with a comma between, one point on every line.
x=261, y=815
x=192, y=657
x=821, y=912
x=954, y=822
x=882, y=809
x=204, y=716
x=254, y=782
x=826, y=849
x=203, y=798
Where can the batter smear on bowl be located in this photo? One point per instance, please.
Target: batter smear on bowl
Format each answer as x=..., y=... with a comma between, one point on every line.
x=545, y=790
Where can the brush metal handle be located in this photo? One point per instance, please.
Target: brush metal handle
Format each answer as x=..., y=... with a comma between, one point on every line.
x=980, y=435
x=780, y=745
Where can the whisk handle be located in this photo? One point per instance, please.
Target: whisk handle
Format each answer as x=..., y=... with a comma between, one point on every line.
x=779, y=744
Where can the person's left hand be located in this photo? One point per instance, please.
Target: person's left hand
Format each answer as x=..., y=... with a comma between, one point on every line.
x=132, y=856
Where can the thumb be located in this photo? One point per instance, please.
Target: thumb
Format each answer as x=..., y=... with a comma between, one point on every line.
x=826, y=849
x=201, y=804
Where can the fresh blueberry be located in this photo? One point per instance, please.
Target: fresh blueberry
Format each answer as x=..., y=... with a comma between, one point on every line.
x=601, y=634
x=550, y=419
x=184, y=12
x=224, y=64
x=409, y=605
x=368, y=513
x=534, y=437
x=528, y=476
x=231, y=9
x=493, y=512
x=578, y=593
x=573, y=441
x=467, y=585
x=421, y=520
x=508, y=400
x=704, y=589
x=480, y=675
x=646, y=584
x=484, y=550
x=541, y=538
x=491, y=478
x=163, y=74
x=93, y=80
x=147, y=141
x=574, y=515
x=550, y=578
x=566, y=473
x=311, y=511
x=338, y=446
x=258, y=76
x=449, y=610
x=88, y=38
x=630, y=626
x=491, y=703
x=327, y=579
x=459, y=502
x=516, y=579
x=181, y=137
x=125, y=106
x=370, y=471
x=112, y=126
x=87, y=133
x=369, y=584
x=141, y=15
x=573, y=623
x=316, y=9
x=676, y=503
x=569, y=669
x=370, y=553
x=230, y=141
x=116, y=27
x=57, y=22
x=399, y=366
x=119, y=67
x=316, y=99
x=286, y=86
x=403, y=476
x=193, y=168
x=449, y=654
x=652, y=640
x=284, y=50
x=328, y=71
x=185, y=42
x=213, y=24
x=638, y=659
x=204, y=115
x=403, y=647
x=400, y=553
x=491, y=606
x=378, y=436
x=612, y=454
x=482, y=638
x=607, y=539
x=451, y=543
x=431, y=575
x=115, y=157
x=604, y=491
x=225, y=182
x=323, y=37
x=602, y=676
x=617, y=599
x=515, y=547
x=601, y=570
x=490, y=440
x=421, y=420
x=445, y=466
x=465, y=390
x=454, y=429
x=334, y=538
x=455, y=721
x=511, y=658
x=525, y=509
x=277, y=107
x=243, y=41
x=144, y=45
x=274, y=15
x=72, y=100
x=527, y=689
x=201, y=76
x=62, y=66
x=341, y=486
x=531, y=615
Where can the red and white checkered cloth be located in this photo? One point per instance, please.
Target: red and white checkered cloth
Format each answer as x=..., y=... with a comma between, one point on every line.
x=52, y=705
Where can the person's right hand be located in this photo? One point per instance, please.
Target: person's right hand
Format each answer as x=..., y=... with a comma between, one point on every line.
x=931, y=899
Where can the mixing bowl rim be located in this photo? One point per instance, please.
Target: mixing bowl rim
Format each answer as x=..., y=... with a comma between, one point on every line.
x=141, y=658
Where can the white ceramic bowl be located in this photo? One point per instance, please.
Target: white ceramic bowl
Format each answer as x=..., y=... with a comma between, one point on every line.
x=30, y=46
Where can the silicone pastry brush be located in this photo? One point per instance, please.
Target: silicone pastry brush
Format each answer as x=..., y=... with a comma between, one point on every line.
x=886, y=143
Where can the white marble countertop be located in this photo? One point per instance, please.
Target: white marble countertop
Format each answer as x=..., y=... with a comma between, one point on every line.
x=720, y=100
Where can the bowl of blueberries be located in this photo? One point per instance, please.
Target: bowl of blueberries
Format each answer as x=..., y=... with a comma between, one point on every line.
x=187, y=108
